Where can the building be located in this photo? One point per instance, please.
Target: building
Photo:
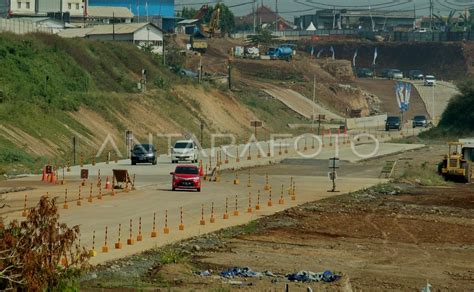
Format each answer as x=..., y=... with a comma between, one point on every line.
x=141, y=34
x=65, y=8
x=264, y=17
x=365, y=19
x=159, y=12
x=4, y=8
x=107, y=14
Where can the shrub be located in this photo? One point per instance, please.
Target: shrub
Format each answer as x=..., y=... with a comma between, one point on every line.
x=39, y=253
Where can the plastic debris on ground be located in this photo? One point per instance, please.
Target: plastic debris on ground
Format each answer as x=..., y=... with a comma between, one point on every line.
x=308, y=276
x=240, y=283
x=205, y=273
x=240, y=272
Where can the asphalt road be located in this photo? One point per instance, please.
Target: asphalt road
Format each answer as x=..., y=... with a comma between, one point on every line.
x=436, y=97
x=153, y=194
x=384, y=90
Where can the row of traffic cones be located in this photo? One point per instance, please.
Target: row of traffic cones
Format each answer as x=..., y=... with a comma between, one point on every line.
x=49, y=177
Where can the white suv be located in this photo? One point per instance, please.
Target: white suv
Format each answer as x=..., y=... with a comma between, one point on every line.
x=430, y=80
x=184, y=150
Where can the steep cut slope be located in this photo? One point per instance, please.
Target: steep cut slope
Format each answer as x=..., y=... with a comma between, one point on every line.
x=55, y=89
x=447, y=60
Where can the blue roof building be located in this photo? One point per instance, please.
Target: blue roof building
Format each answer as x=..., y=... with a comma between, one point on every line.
x=141, y=8
x=163, y=8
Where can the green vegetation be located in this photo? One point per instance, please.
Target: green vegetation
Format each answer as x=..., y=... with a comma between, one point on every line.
x=458, y=119
x=44, y=77
x=423, y=174
x=459, y=115
x=171, y=256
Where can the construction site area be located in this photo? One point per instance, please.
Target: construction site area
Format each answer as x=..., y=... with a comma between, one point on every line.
x=296, y=173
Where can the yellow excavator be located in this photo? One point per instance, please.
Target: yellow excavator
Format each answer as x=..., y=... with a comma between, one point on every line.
x=209, y=30
x=457, y=163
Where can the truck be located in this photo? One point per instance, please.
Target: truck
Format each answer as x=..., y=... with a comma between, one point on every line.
x=198, y=44
x=280, y=53
x=457, y=163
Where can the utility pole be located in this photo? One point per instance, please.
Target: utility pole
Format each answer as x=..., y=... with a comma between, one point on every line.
x=431, y=15
x=433, y=104
x=229, y=72
x=276, y=15
x=414, y=15
x=314, y=97
x=113, y=26
x=254, y=11
x=202, y=132
x=74, y=143
x=200, y=69
x=164, y=51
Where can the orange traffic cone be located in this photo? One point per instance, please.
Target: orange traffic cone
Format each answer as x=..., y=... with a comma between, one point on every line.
x=201, y=171
x=108, y=186
x=52, y=178
x=44, y=177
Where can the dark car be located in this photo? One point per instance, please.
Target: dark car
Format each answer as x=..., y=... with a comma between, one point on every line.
x=188, y=73
x=186, y=177
x=393, y=122
x=419, y=121
x=364, y=73
x=384, y=72
x=416, y=75
x=394, y=74
x=143, y=153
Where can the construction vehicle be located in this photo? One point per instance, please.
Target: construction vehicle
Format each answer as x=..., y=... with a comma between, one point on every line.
x=212, y=28
x=199, y=39
x=280, y=53
x=457, y=163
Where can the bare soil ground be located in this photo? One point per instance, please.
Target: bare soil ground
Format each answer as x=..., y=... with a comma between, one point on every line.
x=378, y=241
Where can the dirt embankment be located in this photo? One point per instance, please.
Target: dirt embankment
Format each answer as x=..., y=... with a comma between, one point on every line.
x=299, y=74
x=447, y=61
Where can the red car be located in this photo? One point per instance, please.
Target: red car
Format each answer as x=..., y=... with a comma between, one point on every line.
x=186, y=177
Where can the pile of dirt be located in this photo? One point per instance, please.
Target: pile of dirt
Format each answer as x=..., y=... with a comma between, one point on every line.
x=340, y=69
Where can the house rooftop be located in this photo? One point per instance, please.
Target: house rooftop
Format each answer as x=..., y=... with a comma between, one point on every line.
x=121, y=28
x=109, y=12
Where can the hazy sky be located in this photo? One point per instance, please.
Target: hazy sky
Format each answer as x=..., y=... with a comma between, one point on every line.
x=291, y=8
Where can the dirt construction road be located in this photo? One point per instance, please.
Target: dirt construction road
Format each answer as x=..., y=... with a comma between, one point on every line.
x=298, y=103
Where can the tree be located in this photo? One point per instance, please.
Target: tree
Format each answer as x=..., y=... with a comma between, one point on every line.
x=447, y=21
x=264, y=37
x=39, y=253
x=467, y=20
x=187, y=12
x=459, y=115
x=227, y=21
